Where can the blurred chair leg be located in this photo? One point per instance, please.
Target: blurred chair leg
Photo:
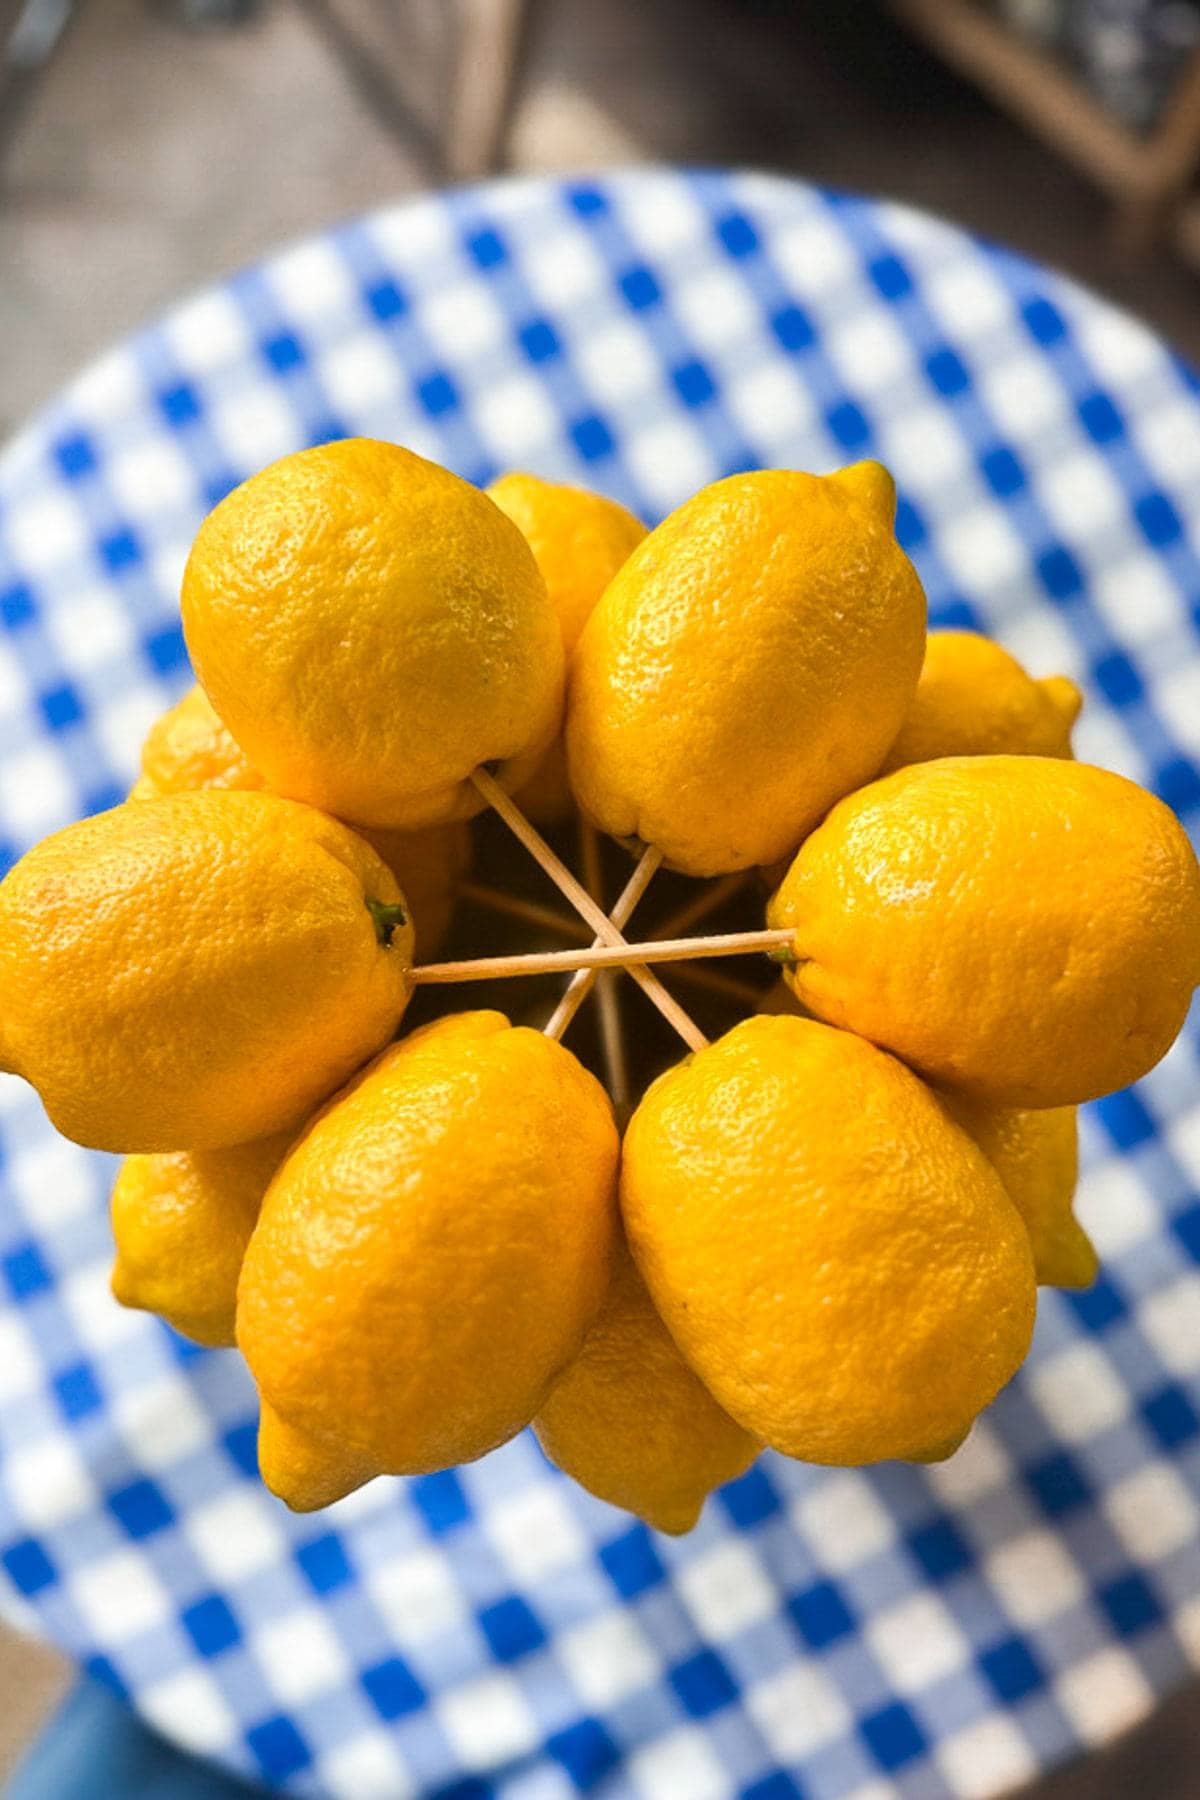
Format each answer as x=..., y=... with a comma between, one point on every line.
x=30, y=33
x=488, y=54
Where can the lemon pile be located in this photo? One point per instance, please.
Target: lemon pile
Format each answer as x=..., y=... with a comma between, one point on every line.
x=823, y=1232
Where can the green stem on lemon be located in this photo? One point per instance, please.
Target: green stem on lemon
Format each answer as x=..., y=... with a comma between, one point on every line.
x=386, y=919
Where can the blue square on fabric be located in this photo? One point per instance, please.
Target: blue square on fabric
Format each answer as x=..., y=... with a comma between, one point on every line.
x=486, y=248
x=793, y=328
x=539, y=340
x=100, y=1669
x=440, y=1500
x=284, y=352
x=217, y=486
x=325, y=431
x=393, y=1689
x=1011, y=1669
x=25, y=1272
x=586, y=1751
x=1059, y=573
x=75, y=456
x=941, y=1549
x=1160, y=523
x=640, y=288
x=324, y=1563
x=511, y=1628
x=141, y=1509
x=102, y=798
x=78, y=1394
x=167, y=650
x=772, y=1787
x=1002, y=471
x=956, y=614
x=17, y=606
x=1125, y=1119
x=947, y=371
x=910, y=526
x=592, y=438
x=385, y=300
x=471, y=1787
x=1178, y=783
x=1187, y=1230
x=437, y=394
x=180, y=404
x=737, y=234
x=211, y=1626
x=242, y=1444
x=1130, y=1603
x=891, y=278
x=820, y=1614
x=693, y=383
x=61, y=707
x=1043, y=321
x=278, y=1748
x=631, y=1562
x=586, y=201
x=29, y=1568
x=1059, y=1484
x=703, y=1684
x=893, y=1735
x=750, y=1499
x=1118, y=679
x=120, y=550
x=1100, y=418
x=1098, y=1306
x=848, y=425
x=1171, y=1416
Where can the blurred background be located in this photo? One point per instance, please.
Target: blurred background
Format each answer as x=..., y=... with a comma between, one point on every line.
x=148, y=146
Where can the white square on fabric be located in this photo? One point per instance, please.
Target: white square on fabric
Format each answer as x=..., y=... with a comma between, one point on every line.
x=122, y=724
x=20, y=1371
x=98, y=1320
x=1169, y=439
x=987, y=1758
x=1126, y=351
x=1042, y=644
x=797, y=1710
x=151, y=476
x=725, y=1590
x=360, y=374
x=916, y=1643
x=924, y=449
x=968, y=296
x=1153, y=1512
x=301, y=1657
x=1024, y=399
x=120, y=1596
x=773, y=407
x=465, y=322
x=1081, y=496
x=1101, y=738
x=417, y=1595
x=814, y=257
x=563, y=270
x=714, y=310
x=1034, y=1577
x=255, y=426
x=661, y=216
x=609, y=1657
x=414, y=235
x=1103, y=1695
x=1177, y=695
x=189, y=1708
x=209, y=332
x=160, y=1422
x=112, y=388
x=981, y=548
x=1078, y=1392
x=536, y=1533
x=843, y=1521
x=669, y=462
x=235, y=1535
x=1116, y=1208
x=980, y=1467
x=616, y=363
x=516, y=417
x=37, y=794
x=1169, y=1319
x=871, y=350
x=1137, y=597
x=49, y=1481
x=367, y=1768
x=679, y=1766
x=92, y=631
x=59, y=1180
x=488, y=1721
x=312, y=281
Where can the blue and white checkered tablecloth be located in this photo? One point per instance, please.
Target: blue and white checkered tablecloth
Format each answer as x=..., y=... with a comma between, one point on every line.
x=494, y=1631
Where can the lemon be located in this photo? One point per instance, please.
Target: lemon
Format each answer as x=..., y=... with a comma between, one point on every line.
x=1036, y=1155
x=974, y=699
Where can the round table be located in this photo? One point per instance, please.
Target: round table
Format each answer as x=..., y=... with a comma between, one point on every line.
x=493, y=1630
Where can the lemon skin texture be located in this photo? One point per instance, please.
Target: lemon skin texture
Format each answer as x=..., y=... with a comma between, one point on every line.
x=1036, y=1155
x=579, y=541
x=834, y=1257
x=750, y=664
x=181, y=1224
x=1023, y=928
x=974, y=699
x=359, y=571
x=435, y=1248
x=632, y=1423
x=197, y=971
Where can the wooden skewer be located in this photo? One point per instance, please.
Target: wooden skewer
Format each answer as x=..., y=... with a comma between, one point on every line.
x=528, y=911
x=581, y=986
x=702, y=904
x=608, y=992
x=588, y=909
x=620, y=955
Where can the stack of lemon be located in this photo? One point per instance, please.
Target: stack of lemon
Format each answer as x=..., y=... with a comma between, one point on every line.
x=823, y=1232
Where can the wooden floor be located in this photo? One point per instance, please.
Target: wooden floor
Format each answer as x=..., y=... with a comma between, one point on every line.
x=126, y=186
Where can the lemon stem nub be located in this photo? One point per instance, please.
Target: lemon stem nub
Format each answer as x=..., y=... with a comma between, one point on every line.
x=386, y=919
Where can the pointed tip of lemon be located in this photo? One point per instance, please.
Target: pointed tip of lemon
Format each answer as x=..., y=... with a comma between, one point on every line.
x=303, y=1472
x=1064, y=695
x=872, y=485
x=944, y=1448
x=1070, y=1261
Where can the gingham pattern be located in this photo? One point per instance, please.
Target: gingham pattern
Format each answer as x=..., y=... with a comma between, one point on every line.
x=494, y=1631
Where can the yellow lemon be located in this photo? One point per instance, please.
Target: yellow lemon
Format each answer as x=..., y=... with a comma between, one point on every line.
x=632, y=1423
x=974, y=699
x=749, y=664
x=835, y=1258
x=432, y=1253
x=1036, y=1155
x=193, y=972
x=1021, y=927
x=372, y=629
x=579, y=541
x=181, y=1224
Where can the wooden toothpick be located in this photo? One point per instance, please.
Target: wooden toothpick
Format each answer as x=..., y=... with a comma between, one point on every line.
x=581, y=986
x=608, y=990
x=621, y=955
